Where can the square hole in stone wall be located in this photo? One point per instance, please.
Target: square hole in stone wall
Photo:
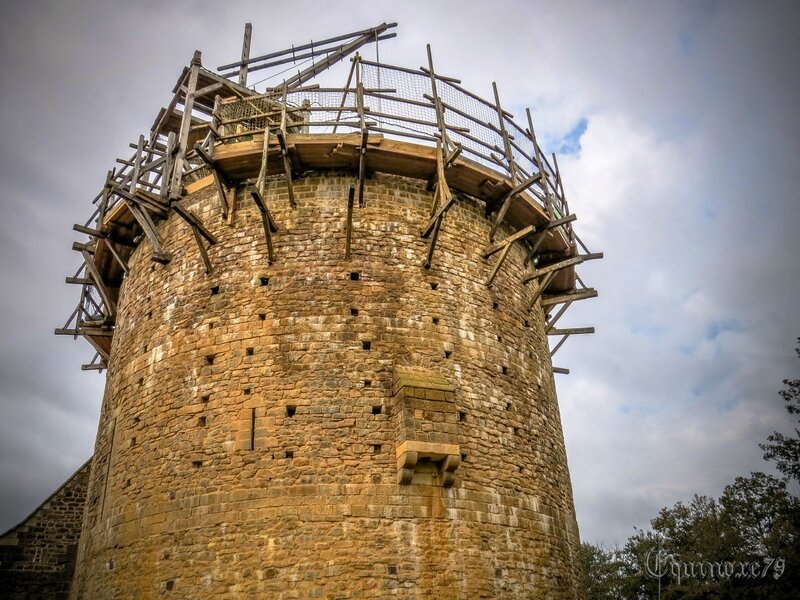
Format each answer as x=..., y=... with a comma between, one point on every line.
x=246, y=391
x=447, y=353
x=366, y=345
x=376, y=448
x=504, y=370
x=197, y=464
x=290, y=454
x=462, y=416
x=353, y=312
x=205, y=398
x=434, y=285
x=263, y=281
x=377, y=409
x=250, y=351
x=367, y=383
x=215, y=290
x=435, y=320
x=262, y=316
x=355, y=276
x=291, y=410
x=210, y=359
x=495, y=305
x=201, y=422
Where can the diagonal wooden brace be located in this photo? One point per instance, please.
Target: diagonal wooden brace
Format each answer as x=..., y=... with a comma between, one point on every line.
x=287, y=165
x=146, y=223
x=222, y=183
x=501, y=214
x=266, y=221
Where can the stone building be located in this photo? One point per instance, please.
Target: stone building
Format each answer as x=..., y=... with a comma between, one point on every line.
x=324, y=315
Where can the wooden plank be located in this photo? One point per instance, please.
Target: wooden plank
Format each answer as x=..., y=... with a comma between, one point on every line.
x=561, y=370
x=569, y=297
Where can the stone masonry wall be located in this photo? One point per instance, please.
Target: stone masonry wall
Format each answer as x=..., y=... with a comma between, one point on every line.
x=37, y=557
x=250, y=443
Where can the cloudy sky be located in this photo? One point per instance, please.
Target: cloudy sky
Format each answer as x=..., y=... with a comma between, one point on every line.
x=678, y=130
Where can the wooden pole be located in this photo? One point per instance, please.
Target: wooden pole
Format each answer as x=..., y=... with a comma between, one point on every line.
x=248, y=30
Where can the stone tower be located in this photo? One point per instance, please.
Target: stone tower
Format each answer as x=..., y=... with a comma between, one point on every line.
x=324, y=315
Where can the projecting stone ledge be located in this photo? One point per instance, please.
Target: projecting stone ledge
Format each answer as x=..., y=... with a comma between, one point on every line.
x=412, y=455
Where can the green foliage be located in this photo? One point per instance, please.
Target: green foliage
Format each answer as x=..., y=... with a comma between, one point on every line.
x=785, y=450
x=744, y=545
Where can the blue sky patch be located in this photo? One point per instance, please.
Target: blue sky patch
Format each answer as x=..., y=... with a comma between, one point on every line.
x=571, y=143
x=717, y=328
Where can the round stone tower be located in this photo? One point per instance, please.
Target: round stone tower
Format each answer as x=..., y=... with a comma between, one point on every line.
x=328, y=368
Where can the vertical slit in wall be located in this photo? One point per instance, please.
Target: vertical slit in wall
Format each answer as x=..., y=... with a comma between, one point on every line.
x=252, y=429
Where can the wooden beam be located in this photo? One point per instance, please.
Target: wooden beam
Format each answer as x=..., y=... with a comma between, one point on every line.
x=561, y=370
x=287, y=164
x=569, y=297
x=349, y=223
x=220, y=180
x=262, y=206
x=146, y=223
x=87, y=230
x=576, y=260
x=123, y=265
x=248, y=31
x=104, y=292
x=499, y=264
x=559, y=344
x=84, y=247
x=432, y=244
x=203, y=251
x=570, y=331
x=540, y=236
x=496, y=247
x=193, y=220
x=78, y=280
x=542, y=286
x=552, y=322
x=362, y=148
x=175, y=190
x=501, y=214
x=266, y=221
x=443, y=198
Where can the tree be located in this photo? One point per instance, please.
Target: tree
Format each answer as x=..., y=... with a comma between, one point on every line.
x=785, y=450
x=605, y=570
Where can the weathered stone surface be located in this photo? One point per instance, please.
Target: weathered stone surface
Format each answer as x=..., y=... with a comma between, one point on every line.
x=248, y=435
x=37, y=557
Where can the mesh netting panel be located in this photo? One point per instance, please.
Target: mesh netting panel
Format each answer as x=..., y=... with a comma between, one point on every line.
x=410, y=117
